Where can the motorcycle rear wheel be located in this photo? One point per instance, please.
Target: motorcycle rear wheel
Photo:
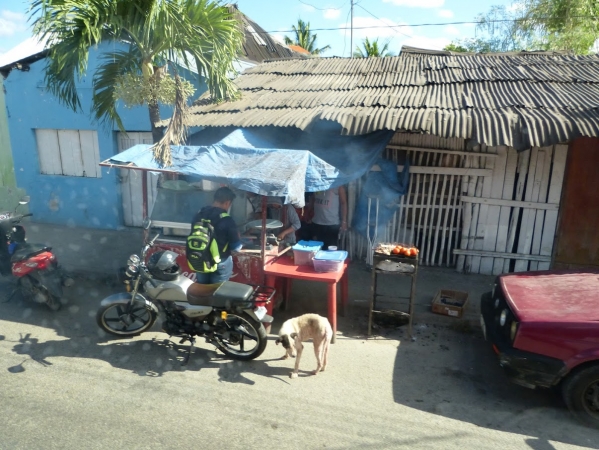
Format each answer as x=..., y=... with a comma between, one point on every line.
x=53, y=302
x=125, y=320
x=242, y=330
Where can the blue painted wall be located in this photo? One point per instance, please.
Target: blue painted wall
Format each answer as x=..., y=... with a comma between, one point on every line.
x=74, y=201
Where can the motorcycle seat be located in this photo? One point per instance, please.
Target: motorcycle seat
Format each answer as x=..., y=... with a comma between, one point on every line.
x=25, y=251
x=220, y=295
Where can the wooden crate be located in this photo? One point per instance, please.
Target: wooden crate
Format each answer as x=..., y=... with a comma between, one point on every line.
x=457, y=301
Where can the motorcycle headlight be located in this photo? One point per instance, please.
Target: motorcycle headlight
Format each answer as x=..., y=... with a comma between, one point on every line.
x=513, y=330
x=133, y=260
x=131, y=271
x=503, y=317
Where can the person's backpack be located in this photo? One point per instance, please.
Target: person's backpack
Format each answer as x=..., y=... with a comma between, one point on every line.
x=202, y=250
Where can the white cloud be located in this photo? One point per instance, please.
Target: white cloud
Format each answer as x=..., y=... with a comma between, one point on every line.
x=331, y=13
x=417, y=3
x=307, y=8
x=515, y=7
x=279, y=37
x=12, y=23
x=451, y=30
x=375, y=28
x=446, y=13
x=427, y=43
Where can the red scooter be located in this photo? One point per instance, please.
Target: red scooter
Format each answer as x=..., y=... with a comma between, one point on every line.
x=34, y=266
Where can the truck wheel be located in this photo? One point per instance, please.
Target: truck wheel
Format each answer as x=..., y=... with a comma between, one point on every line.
x=581, y=393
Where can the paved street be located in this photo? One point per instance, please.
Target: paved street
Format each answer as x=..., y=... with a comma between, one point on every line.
x=64, y=385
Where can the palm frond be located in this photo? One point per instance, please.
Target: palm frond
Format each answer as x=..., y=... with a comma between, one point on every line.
x=113, y=65
x=176, y=132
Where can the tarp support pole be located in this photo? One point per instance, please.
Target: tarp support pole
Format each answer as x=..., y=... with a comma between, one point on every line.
x=263, y=231
x=144, y=195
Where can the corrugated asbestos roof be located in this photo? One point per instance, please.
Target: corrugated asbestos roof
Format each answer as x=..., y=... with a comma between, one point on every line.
x=517, y=99
x=258, y=45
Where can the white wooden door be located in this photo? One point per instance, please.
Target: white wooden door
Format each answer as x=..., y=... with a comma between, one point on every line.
x=510, y=222
x=131, y=181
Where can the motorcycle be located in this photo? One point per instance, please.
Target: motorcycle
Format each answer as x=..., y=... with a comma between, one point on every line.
x=38, y=276
x=228, y=315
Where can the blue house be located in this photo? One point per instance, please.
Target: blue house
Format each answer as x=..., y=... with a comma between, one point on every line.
x=56, y=151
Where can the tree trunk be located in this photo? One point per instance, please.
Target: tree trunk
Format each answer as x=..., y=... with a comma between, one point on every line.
x=154, y=111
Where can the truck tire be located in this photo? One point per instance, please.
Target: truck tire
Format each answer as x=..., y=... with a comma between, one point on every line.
x=580, y=391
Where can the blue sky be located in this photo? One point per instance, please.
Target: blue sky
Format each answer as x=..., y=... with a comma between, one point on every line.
x=372, y=19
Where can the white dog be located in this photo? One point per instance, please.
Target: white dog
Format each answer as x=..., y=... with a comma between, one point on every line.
x=300, y=329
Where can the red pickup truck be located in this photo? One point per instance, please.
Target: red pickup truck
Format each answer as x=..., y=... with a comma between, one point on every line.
x=544, y=326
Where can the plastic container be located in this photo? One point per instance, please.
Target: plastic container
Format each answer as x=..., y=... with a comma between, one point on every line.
x=329, y=261
x=304, y=251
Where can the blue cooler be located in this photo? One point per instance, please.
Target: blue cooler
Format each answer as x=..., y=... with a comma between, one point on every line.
x=329, y=261
x=304, y=251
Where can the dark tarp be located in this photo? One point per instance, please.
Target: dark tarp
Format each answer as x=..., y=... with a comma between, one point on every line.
x=282, y=162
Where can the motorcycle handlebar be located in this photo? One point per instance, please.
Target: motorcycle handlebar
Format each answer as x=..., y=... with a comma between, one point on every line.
x=21, y=217
x=153, y=239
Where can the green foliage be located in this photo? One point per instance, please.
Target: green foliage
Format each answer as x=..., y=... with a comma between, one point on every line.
x=456, y=47
x=371, y=49
x=200, y=33
x=478, y=46
x=561, y=25
x=134, y=90
x=305, y=38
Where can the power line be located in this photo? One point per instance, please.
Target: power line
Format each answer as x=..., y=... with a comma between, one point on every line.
x=316, y=7
x=345, y=35
x=419, y=25
x=396, y=31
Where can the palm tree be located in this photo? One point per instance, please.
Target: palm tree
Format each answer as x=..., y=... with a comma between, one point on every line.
x=154, y=32
x=305, y=39
x=371, y=49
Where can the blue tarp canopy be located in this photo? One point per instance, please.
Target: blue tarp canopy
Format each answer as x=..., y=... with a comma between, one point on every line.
x=282, y=162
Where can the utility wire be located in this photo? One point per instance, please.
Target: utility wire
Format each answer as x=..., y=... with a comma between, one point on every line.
x=417, y=25
x=396, y=31
x=316, y=7
x=345, y=35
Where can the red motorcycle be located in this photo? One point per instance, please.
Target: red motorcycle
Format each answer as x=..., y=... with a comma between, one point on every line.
x=35, y=268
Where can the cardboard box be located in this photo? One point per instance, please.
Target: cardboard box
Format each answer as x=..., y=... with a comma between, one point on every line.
x=450, y=303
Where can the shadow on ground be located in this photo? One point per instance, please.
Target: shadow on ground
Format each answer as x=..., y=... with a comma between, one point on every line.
x=451, y=372
x=80, y=337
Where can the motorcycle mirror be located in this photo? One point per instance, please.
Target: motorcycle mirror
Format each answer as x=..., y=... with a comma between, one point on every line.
x=24, y=200
x=147, y=223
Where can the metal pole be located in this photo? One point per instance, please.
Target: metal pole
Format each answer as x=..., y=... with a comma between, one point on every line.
x=144, y=203
x=351, y=31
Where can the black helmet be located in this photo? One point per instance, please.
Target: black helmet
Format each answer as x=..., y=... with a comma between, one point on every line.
x=163, y=265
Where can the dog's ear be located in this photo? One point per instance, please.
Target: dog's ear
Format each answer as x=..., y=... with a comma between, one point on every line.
x=293, y=335
x=278, y=341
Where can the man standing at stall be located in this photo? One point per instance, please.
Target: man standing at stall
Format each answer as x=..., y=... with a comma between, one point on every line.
x=222, y=239
x=330, y=215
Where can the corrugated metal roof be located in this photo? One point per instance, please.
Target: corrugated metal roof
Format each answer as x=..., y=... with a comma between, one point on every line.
x=30, y=49
x=517, y=99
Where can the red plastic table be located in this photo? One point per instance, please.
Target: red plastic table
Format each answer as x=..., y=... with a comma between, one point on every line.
x=285, y=268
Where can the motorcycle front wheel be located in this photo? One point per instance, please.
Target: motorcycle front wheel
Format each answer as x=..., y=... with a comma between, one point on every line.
x=243, y=338
x=125, y=320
